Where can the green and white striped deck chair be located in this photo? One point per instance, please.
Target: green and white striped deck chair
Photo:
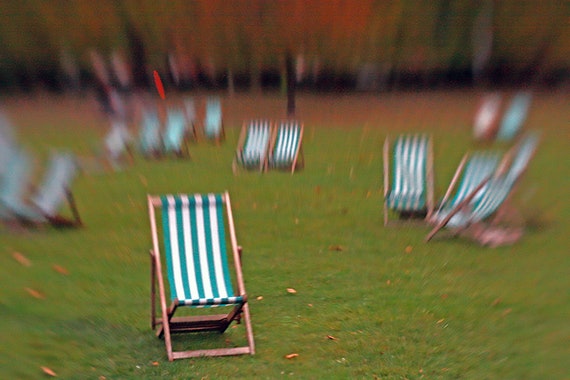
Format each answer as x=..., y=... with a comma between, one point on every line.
x=150, y=143
x=175, y=137
x=196, y=236
x=253, y=145
x=117, y=144
x=514, y=116
x=287, y=149
x=410, y=193
x=474, y=168
x=213, y=121
x=491, y=196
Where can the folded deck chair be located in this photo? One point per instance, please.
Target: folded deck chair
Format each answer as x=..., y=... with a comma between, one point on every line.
x=47, y=200
x=514, y=116
x=485, y=124
x=410, y=193
x=190, y=114
x=117, y=144
x=473, y=169
x=253, y=145
x=287, y=149
x=490, y=198
x=213, y=121
x=194, y=236
x=175, y=137
x=150, y=143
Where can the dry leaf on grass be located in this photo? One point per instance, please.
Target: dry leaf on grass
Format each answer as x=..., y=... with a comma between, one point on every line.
x=21, y=259
x=408, y=249
x=496, y=302
x=155, y=364
x=291, y=356
x=59, y=269
x=331, y=337
x=49, y=371
x=336, y=248
x=35, y=293
x=259, y=298
x=291, y=291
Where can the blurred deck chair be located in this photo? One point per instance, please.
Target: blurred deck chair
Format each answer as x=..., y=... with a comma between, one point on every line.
x=410, y=193
x=7, y=146
x=194, y=237
x=287, y=148
x=15, y=186
x=473, y=169
x=514, y=116
x=54, y=189
x=150, y=143
x=479, y=215
x=175, y=137
x=485, y=124
x=117, y=145
x=213, y=121
x=253, y=145
x=190, y=114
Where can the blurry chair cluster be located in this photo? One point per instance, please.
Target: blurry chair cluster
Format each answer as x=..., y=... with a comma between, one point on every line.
x=265, y=144
x=477, y=203
x=498, y=120
x=25, y=202
x=163, y=131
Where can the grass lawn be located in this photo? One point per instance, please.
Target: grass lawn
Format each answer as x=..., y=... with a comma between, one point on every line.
x=371, y=302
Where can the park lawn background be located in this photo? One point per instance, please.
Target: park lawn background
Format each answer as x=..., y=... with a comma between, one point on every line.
x=370, y=301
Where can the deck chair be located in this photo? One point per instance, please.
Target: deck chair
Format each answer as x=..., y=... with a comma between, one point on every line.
x=253, y=145
x=410, y=193
x=150, y=143
x=485, y=124
x=117, y=144
x=175, y=137
x=287, y=148
x=473, y=169
x=46, y=201
x=213, y=121
x=514, y=116
x=7, y=145
x=190, y=114
x=194, y=238
x=490, y=198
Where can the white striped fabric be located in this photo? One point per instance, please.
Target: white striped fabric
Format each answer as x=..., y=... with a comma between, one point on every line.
x=286, y=144
x=408, y=191
x=481, y=165
x=195, y=250
x=256, y=145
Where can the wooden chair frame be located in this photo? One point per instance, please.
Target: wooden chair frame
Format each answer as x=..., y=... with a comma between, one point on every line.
x=171, y=325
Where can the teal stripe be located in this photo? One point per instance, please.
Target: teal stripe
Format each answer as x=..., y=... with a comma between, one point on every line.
x=223, y=248
x=182, y=250
x=209, y=245
x=167, y=245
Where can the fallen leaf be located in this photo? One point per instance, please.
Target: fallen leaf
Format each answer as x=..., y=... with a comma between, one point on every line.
x=21, y=259
x=388, y=282
x=368, y=194
x=155, y=364
x=336, y=248
x=49, y=371
x=259, y=298
x=444, y=296
x=291, y=291
x=317, y=189
x=59, y=269
x=331, y=337
x=35, y=293
x=408, y=249
x=440, y=321
x=507, y=312
x=291, y=356
x=310, y=305
x=496, y=302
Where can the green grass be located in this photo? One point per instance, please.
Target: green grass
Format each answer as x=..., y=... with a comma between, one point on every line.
x=447, y=309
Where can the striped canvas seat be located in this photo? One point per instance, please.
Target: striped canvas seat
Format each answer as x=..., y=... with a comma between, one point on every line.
x=254, y=144
x=411, y=186
x=174, y=137
x=195, y=250
x=197, y=235
x=213, y=123
x=474, y=169
x=117, y=141
x=514, y=116
x=287, y=145
x=485, y=122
